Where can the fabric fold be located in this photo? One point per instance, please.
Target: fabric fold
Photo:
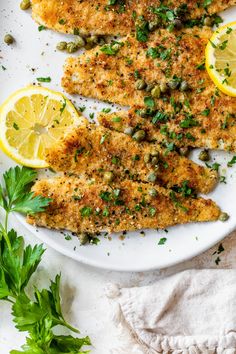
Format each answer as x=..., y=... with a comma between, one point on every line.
x=193, y=312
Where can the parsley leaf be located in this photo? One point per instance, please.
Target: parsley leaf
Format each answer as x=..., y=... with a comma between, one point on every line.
x=162, y=241
x=149, y=102
x=142, y=30
x=232, y=162
x=207, y=3
x=18, y=182
x=112, y=49
x=18, y=262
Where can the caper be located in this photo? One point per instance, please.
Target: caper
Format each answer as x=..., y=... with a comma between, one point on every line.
x=89, y=45
x=108, y=176
x=129, y=130
x=80, y=42
x=61, y=46
x=180, y=11
x=92, y=39
x=163, y=87
x=84, y=238
x=139, y=135
x=155, y=161
x=71, y=47
x=150, y=87
x=155, y=153
x=204, y=155
x=184, y=151
x=91, y=42
x=152, y=25
x=152, y=177
x=184, y=86
x=178, y=24
x=143, y=113
x=101, y=41
x=140, y=85
x=173, y=84
x=152, y=192
x=156, y=92
x=224, y=217
x=207, y=22
x=8, y=39
x=147, y=158
x=25, y=4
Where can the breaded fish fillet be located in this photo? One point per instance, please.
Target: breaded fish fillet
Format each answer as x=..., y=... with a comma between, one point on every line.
x=94, y=150
x=80, y=206
x=176, y=58
x=112, y=74
x=202, y=115
x=214, y=131
x=98, y=17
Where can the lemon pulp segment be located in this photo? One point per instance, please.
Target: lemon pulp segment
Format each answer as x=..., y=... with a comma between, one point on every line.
x=32, y=120
x=221, y=58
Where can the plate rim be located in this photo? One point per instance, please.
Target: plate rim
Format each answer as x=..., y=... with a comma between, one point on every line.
x=90, y=262
x=100, y=263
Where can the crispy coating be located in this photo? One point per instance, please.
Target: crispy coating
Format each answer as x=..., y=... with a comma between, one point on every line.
x=80, y=206
x=113, y=78
x=201, y=117
x=165, y=56
x=98, y=18
x=93, y=150
x=216, y=131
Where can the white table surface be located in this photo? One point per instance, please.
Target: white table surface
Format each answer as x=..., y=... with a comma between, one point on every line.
x=84, y=302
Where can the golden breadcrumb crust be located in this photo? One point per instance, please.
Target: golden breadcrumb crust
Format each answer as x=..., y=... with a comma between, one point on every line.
x=112, y=77
x=93, y=150
x=79, y=206
x=97, y=17
x=213, y=132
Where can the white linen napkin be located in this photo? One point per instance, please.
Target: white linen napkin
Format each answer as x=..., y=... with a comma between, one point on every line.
x=193, y=312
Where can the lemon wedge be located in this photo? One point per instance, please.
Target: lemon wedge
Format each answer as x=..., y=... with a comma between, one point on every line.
x=221, y=58
x=33, y=119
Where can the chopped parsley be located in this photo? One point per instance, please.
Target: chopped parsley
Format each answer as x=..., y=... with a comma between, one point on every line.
x=152, y=211
x=176, y=202
x=41, y=28
x=149, y=102
x=86, y=211
x=162, y=241
x=142, y=30
x=232, y=162
x=62, y=21
x=112, y=49
x=185, y=190
x=44, y=79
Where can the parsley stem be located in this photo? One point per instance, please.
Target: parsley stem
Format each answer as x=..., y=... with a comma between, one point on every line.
x=5, y=233
x=6, y=220
x=64, y=323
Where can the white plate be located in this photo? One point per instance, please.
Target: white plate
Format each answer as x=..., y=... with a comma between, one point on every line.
x=34, y=56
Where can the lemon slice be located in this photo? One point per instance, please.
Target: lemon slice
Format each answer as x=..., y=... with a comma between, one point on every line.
x=221, y=58
x=32, y=120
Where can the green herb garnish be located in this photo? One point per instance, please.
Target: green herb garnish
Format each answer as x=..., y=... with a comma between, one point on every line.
x=38, y=314
x=44, y=79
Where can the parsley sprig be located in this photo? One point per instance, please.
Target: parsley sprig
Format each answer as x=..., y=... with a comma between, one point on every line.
x=41, y=313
